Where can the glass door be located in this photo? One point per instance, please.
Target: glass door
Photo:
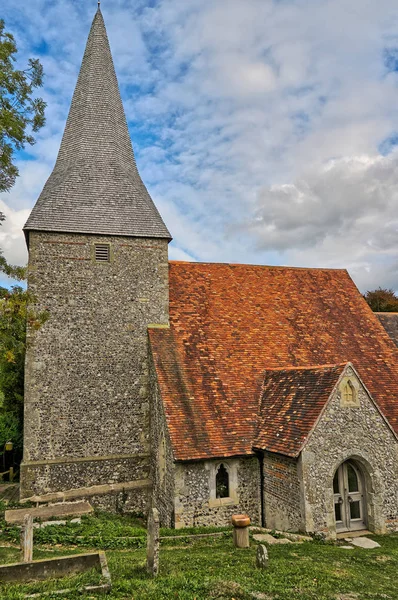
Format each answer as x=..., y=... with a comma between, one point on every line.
x=349, y=505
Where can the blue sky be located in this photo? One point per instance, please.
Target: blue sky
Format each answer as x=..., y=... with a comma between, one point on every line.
x=266, y=131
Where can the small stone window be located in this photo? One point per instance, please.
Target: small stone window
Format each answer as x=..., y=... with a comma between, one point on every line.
x=222, y=482
x=349, y=393
x=102, y=252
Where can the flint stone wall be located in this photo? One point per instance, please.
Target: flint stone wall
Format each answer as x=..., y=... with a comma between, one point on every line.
x=87, y=373
x=282, y=495
x=358, y=433
x=194, y=502
x=43, y=477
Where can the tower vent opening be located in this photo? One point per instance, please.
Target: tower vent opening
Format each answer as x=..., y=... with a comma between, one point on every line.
x=102, y=252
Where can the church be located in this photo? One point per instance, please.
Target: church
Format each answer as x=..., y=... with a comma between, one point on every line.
x=204, y=389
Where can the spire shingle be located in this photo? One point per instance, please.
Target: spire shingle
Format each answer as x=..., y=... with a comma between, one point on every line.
x=95, y=186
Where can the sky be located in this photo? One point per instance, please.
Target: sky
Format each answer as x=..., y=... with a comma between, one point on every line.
x=266, y=131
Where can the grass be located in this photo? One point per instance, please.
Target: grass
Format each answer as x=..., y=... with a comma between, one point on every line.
x=209, y=568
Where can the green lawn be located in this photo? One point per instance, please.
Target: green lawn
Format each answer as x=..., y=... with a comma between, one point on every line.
x=209, y=568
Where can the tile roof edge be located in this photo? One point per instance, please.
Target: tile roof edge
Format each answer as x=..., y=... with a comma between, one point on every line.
x=216, y=457
x=289, y=454
x=276, y=267
x=343, y=369
x=28, y=229
x=372, y=400
x=308, y=368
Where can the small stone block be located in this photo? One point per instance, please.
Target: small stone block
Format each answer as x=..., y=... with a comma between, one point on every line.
x=262, y=557
x=364, y=542
x=240, y=520
x=269, y=539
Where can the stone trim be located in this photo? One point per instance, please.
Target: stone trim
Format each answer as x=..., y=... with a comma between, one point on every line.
x=232, y=469
x=95, y=490
x=72, y=459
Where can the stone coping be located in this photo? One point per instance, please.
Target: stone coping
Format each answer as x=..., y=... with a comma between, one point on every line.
x=62, y=509
x=95, y=490
x=49, y=568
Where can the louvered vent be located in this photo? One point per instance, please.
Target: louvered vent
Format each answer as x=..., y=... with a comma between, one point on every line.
x=102, y=252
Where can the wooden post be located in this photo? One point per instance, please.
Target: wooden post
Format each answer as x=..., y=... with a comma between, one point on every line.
x=27, y=539
x=241, y=530
x=11, y=474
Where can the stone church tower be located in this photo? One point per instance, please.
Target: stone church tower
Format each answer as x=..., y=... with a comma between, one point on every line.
x=98, y=264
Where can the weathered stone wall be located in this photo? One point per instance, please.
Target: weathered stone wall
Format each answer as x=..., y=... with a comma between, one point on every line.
x=87, y=374
x=195, y=503
x=361, y=434
x=162, y=465
x=282, y=495
x=43, y=477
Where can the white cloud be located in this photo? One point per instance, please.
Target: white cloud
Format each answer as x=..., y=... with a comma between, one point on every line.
x=344, y=213
x=11, y=238
x=241, y=111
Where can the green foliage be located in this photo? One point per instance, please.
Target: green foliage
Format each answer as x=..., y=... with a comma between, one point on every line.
x=15, y=314
x=21, y=114
x=11, y=430
x=382, y=300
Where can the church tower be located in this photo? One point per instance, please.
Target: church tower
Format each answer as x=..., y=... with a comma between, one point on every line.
x=98, y=264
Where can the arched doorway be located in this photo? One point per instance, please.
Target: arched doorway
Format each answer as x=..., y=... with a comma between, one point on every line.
x=349, y=498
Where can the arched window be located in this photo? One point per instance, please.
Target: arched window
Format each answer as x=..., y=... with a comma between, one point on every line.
x=348, y=393
x=222, y=482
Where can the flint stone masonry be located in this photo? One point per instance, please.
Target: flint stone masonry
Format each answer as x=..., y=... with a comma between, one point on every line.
x=87, y=372
x=360, y=434
x=193, y=483
x=64, y=474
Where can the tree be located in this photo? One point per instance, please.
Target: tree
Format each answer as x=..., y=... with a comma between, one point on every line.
x=382, y=300
x=15, y=314
x=20, y=113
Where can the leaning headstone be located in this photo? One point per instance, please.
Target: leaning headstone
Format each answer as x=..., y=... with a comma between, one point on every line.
x=27, y=539
x=152, y=553
x=262, y=556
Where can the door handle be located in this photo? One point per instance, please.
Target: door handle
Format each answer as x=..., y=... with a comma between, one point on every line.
x=350, y=499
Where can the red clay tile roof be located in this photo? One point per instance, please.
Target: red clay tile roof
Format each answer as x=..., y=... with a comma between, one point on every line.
x=230, y=323
x=389, y=320
x=291, y=402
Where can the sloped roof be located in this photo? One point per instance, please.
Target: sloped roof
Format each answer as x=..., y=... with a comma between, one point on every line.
x=389, y=321
x=95, y=186
x=291, y=402
x=231, y=323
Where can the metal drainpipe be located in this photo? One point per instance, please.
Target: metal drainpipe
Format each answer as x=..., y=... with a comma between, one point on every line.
x=260, y=456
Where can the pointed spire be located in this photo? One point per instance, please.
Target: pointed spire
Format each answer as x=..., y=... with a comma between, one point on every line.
x=95, y=186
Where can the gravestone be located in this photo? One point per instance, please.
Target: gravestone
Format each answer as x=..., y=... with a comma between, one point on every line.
x=152, y=554
x=27, y=539
x=262, y=557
